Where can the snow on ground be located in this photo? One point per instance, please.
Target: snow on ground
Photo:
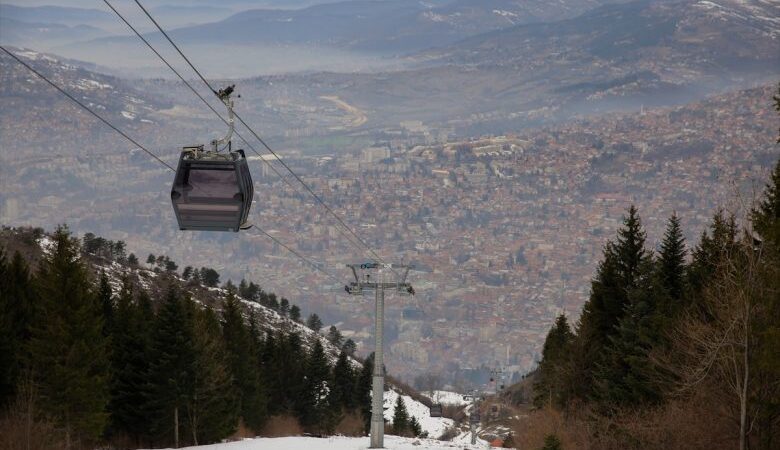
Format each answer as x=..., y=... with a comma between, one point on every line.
x=446, y=398
x=435, y=426
x=338, y=443
x=465, y=438
x=46, y=244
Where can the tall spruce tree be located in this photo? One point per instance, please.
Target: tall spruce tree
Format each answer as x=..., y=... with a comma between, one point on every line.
x=284, y=366
x=618, y=275
x=130, y=340
x=314, y=322
x=344, y=380
x=671, y=263
x=172, y=365
x=244, y=364
x=334, y=336
x=766, y=215
x=630, y=249
x=8, y=341
x=105, y=297
x=16, y=319
x=624, y=376
x=314, y=406
x=400, y=418
x=67, y=351
x=551, y=387
x=362, y=396
x=714, y=247
x=766, y=223
x=213, y=406
x=295, y=313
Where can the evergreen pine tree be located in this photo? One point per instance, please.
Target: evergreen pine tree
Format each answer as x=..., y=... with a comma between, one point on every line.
x=132, y=260
x=766, y=216
x=363, y=390
x=400, y=418
x=314, y=405
x=344, y=379
x=314, y=322
x=766, y=223
x=67, y=350
x=16, y=319
x=295, y=313
x=213, y=407
x=172, y=365
x=8, y=341
x=334, y=336
x=630, y=249
x=284, y=372
x=551, y=387
x=671, y=262
x=244, y=364
x=551, y=442
x=619, y=274
x=625, y=375
x=349, y=347
x=130, y=340
x=284, y=307
x=106, y=300
x=415, y=428
x=714, y=247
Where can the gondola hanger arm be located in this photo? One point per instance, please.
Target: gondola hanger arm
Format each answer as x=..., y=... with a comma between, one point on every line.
x=224, y=95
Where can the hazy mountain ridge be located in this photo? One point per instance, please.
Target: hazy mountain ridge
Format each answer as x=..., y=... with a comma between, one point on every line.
x=633, y=31
x=112, y=97
x=389, y=26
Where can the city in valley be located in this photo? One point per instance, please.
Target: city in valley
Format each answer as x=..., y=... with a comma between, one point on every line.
x=504, y=231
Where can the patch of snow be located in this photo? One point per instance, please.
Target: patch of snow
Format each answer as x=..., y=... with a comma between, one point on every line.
x=434, y=426
x=128, y=115
x=94, y=84
x=433, y=17
x=46, y=244
x=446, y=398
x=503, y=13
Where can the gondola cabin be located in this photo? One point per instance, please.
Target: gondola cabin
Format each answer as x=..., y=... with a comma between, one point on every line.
x=436, y=410
x=212, y=191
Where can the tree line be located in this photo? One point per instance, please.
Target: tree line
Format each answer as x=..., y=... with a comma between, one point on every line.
x=692, y=330
x=124, y=366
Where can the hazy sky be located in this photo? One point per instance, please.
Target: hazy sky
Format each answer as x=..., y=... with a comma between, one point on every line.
x=236, y=4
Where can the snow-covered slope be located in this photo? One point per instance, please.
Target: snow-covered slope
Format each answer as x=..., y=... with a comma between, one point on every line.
x=338, y=443
x=446, y=398
x=434, y=426
x=268, y=320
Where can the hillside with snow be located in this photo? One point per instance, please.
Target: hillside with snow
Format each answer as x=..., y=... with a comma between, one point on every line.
x=434, y=426
x=338, y=443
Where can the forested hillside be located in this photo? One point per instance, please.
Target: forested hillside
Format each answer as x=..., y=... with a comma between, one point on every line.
x=97, y=347
x=676, y=348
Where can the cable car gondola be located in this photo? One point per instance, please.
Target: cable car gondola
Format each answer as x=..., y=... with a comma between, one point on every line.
x=213, y=189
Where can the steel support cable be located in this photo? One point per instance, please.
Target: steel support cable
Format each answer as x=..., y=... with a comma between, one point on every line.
x=194, y=91
x=157, y=158
x=86, y=108
x=251, y=130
